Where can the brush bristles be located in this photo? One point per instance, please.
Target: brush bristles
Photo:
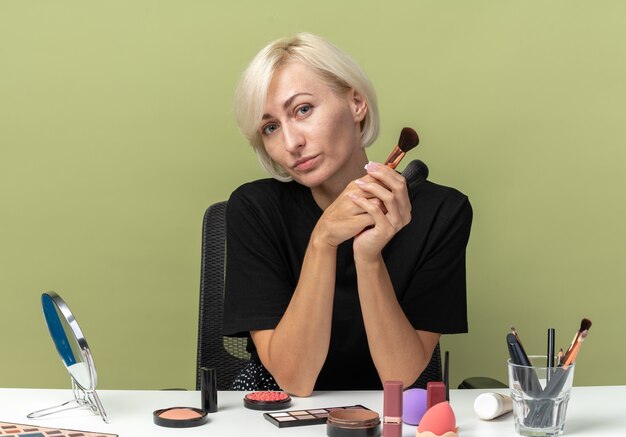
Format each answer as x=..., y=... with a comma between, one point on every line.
x=408, y=139
x=585, y=324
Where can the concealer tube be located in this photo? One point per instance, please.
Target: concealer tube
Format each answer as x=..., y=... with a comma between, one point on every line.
x=491, y=405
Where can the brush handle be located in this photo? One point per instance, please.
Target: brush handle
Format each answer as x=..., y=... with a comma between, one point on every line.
x=550, y=362
x=528, y=380
x=394, y=158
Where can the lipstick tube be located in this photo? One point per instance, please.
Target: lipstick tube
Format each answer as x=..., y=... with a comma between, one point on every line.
x=392, y=409
x=435, y=393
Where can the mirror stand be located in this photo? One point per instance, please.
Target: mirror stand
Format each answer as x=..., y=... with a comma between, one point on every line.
x=76, y=356
x=82, y=399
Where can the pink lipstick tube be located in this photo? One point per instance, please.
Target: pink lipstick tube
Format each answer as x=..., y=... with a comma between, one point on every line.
x=392, y=409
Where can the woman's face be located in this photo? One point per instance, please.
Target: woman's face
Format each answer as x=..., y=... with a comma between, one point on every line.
x=312, y=132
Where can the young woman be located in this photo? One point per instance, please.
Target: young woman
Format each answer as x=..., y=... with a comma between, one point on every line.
x=341, y=277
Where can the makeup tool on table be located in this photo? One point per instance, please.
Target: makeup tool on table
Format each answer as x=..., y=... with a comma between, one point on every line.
x=488, y=406
x=310, y=416
x=559, y=374
x=439, y=421
x=392, y=409
x=528, y=380
x=21, y=430
x=550, y=352
x=417, y=401
x=180, y=417
x=438, y=391
x=538, y=403
x=446, y=374
x=435, y=393
x=413, y=405
x=516, y=344
x=353, y=423
x=267, y=400
x=72, y=347
x=408, y=140
x=559, y=357
x=208, y=389
x=581, y=334
x=188, y=417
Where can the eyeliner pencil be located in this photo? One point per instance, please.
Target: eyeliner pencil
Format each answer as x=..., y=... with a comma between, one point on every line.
x=446, y=372
x=550, y=353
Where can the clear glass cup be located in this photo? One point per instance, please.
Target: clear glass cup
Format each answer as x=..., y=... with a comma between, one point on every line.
x=540, y=396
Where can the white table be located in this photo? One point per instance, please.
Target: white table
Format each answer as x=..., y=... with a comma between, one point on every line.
x=593, y=411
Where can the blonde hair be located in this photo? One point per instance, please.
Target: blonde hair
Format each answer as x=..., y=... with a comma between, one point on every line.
x=335, y=68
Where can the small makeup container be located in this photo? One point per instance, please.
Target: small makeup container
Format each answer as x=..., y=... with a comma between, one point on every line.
x=208, y=389
x=392, y=409
x=491, y=405
x=353, y=423
x=435, y=393
x=267, y=400
x=314, y=416
x=413, y=405
x=180, y=417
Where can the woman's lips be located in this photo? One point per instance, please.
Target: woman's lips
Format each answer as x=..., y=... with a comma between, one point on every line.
x=306, y=163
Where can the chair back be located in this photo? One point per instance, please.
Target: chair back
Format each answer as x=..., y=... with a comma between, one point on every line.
x=227, y=355
x=432, y=372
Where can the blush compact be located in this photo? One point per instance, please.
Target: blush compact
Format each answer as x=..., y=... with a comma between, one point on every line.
x=267, y=400
x=180, y=417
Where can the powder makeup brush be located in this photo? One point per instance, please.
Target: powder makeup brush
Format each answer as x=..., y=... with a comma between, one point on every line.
x=569, y=359
x=581, y=334
x=408, y=140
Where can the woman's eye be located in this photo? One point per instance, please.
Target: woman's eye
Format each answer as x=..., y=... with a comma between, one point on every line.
x=304, y=109
x=269, y=128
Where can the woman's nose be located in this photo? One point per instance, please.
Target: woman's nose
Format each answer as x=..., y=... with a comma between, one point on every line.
x=293, y=137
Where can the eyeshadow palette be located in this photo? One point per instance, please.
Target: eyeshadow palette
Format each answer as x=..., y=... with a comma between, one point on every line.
x=19, y=430
x=312, y=416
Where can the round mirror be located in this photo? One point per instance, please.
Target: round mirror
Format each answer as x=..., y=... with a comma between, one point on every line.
x=69, y=340
x=75, y=355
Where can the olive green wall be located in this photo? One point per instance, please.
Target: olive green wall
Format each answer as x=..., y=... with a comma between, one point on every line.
x=116, y=131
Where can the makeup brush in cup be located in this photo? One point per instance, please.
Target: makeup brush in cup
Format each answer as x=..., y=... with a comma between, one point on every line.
x=408, y=140
x=572, y=352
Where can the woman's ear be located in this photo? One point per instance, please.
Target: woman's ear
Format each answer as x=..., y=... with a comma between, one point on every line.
x=358, y=105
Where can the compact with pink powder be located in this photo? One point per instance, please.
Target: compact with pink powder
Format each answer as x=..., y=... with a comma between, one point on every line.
x=267, y=400
x=180, y=417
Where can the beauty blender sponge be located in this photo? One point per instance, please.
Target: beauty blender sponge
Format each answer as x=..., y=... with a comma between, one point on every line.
x=413, y=405
x=438, y=421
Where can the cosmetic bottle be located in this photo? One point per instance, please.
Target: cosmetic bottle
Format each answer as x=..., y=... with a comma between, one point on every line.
x=491, y=405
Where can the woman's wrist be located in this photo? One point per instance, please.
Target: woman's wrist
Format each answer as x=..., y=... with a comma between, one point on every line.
x=362, y=261
x=320, y=241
